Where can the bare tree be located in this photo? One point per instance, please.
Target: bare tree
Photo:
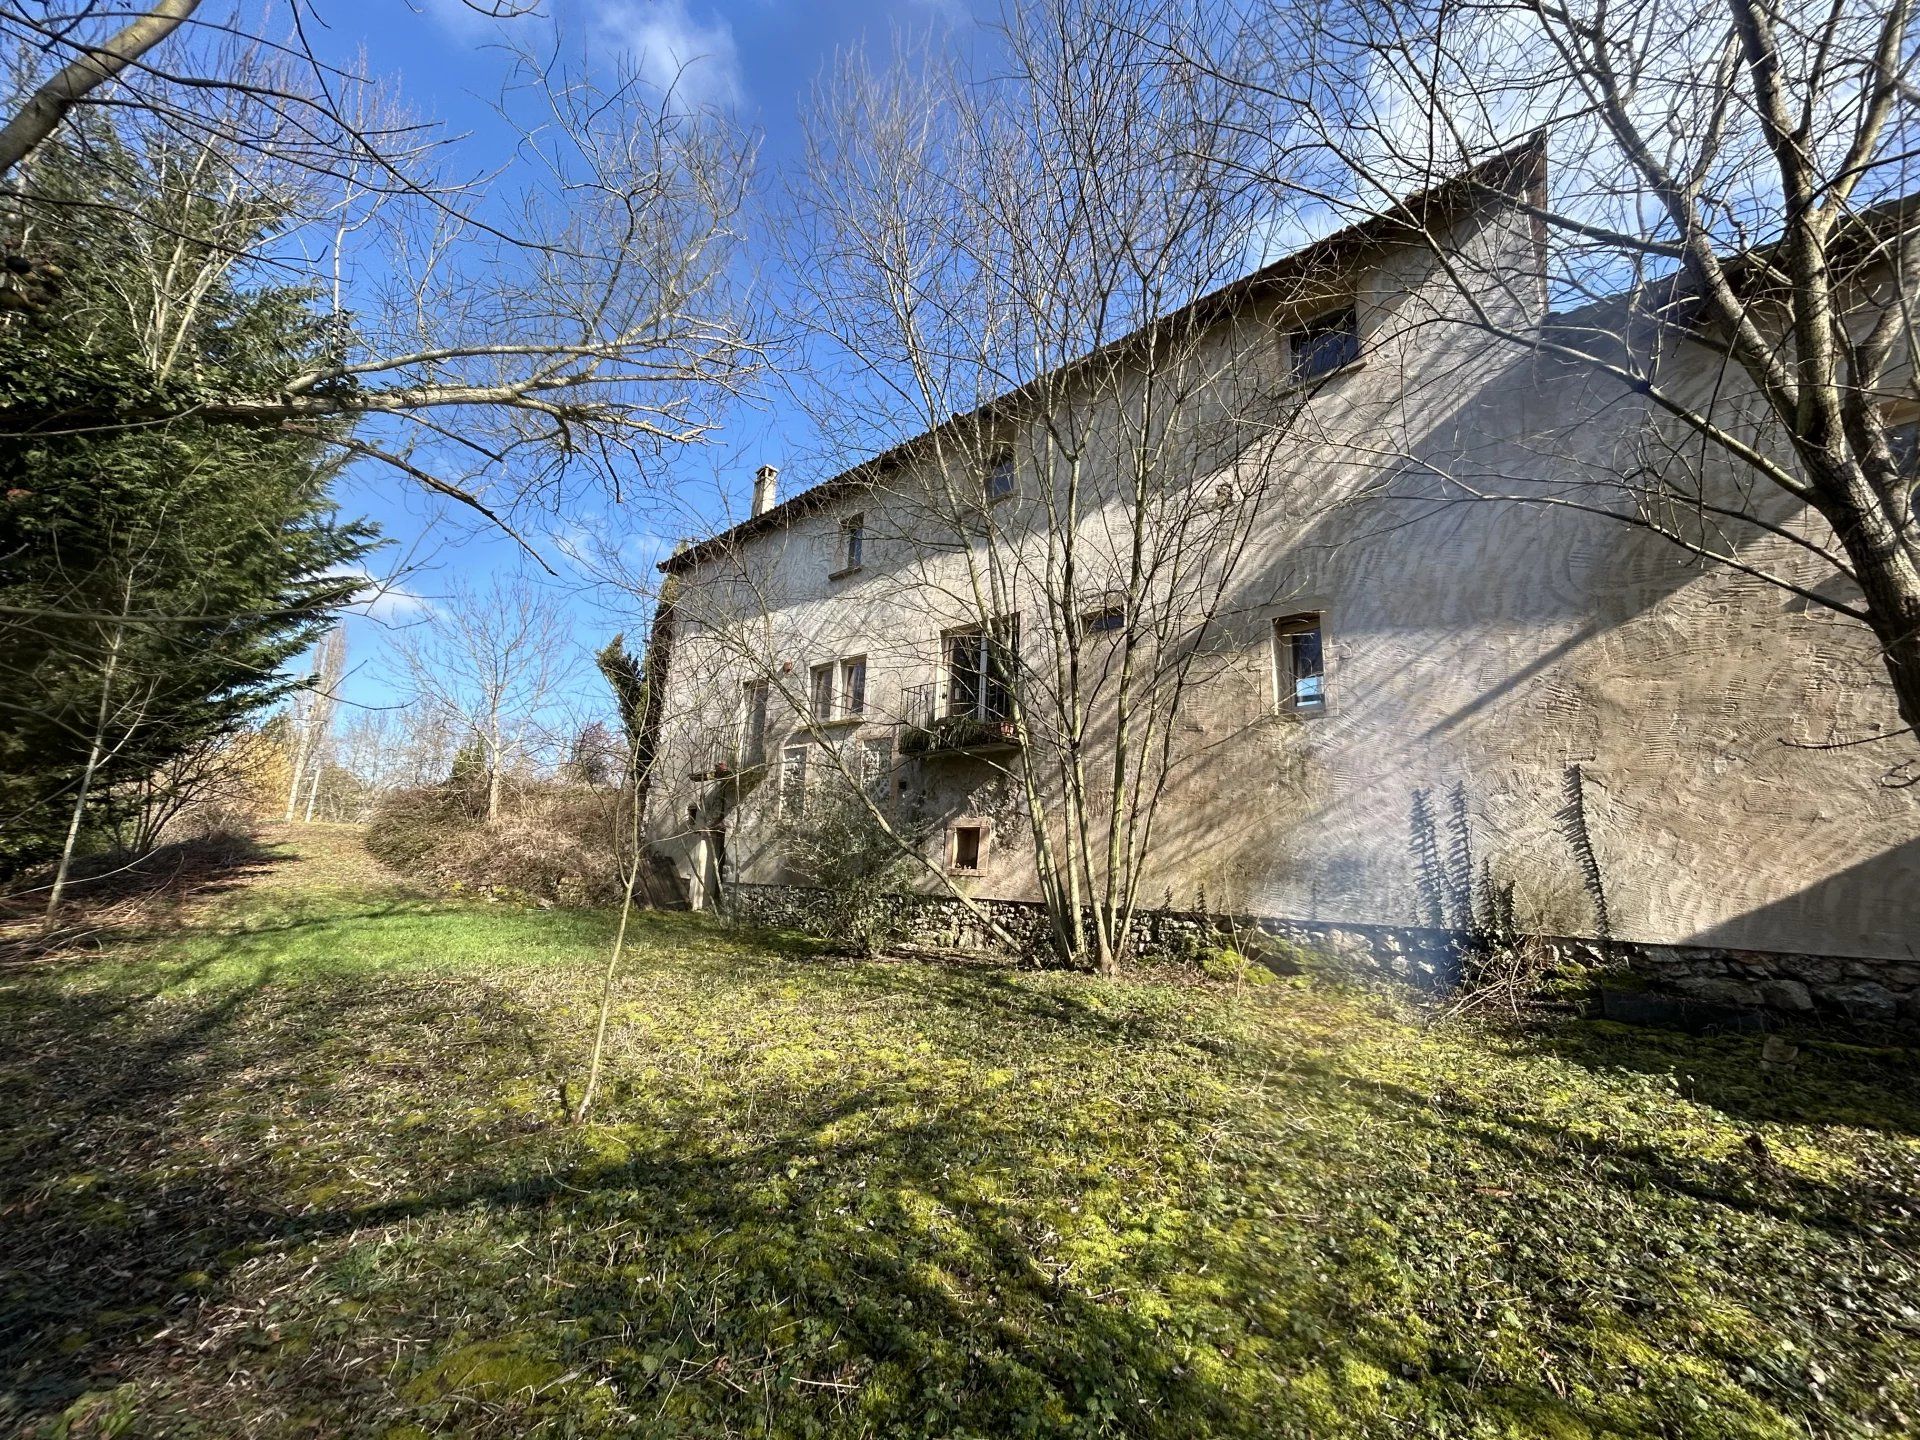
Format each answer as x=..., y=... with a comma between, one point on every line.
x=212, y=783
x=636, y=700
x=569, y=313
x=119, y=713
x=486, y=662
x=311, y=718
x=1020, y=269
x=92, y=64
x=1726, y=253
x=80, y=51
x=378, y=749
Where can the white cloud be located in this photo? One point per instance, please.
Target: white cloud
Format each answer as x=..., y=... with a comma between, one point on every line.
x=383, y=598
x=694, y=59
x=1276, y=235
x=948, y=12
x=460, y=19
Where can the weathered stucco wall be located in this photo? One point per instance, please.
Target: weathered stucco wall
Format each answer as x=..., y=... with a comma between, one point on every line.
x=1574, y=701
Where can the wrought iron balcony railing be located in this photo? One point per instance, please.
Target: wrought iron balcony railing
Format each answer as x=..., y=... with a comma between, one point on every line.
x=726, y=759
x=932, y=724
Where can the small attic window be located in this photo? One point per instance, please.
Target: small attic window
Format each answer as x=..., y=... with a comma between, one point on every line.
x=1299, y=665
x=999, y=477
x=1323, y=345
x=853, y=545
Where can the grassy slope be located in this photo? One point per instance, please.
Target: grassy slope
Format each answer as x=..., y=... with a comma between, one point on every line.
x=297, y=1170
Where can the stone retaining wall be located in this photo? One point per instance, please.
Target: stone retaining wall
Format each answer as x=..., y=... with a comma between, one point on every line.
x=1709, y=983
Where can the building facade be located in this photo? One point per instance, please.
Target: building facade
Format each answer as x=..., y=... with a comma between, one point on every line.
x=1366, y=689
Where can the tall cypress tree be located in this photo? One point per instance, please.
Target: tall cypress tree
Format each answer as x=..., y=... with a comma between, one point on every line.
x=154, y=579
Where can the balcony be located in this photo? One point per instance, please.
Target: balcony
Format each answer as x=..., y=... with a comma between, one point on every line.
x=724, y=762
x=930, y=726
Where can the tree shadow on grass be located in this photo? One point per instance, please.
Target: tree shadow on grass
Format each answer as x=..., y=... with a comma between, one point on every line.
x=113, y=896
x=869, y=1252
x=140, y=1156
x=866, y=1283
x=870, y=1256
x=1823, y=1083
x=1058, y=1000
x=93, y=1231
x=1870, y=1208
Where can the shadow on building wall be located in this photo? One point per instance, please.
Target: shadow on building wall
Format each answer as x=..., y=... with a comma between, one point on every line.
x=1836, y=903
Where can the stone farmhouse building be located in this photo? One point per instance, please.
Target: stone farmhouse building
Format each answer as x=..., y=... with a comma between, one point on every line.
x=1396, y=707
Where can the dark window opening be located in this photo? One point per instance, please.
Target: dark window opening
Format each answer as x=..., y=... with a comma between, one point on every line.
x=853, y=686
x=1324, y=345
x=1299, y=664
x=967, y=843
x=981, y=663
x=1904, y=442
x=1104, y=621
x=820, y=692
x=853, y=533
x=999, y=481
x=753, y=735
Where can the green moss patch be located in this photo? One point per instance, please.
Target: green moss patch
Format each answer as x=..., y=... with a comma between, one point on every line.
x=302, y=1169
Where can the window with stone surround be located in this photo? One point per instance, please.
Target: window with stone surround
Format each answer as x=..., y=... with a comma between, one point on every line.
x=853, y=687
x=1299, y=665
x=853, y=544
x=966, y=847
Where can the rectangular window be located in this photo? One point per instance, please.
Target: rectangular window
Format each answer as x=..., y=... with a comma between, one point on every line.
x=853, y=543
x=753, y=723
x=999, y=478
x=965, y=847
x=1323, y=345
x=1904, y=441
x=793, y=780
x=820, y=692
x=1299, y=665
x=981, y=663
x=853, y=686
x=1104, y=621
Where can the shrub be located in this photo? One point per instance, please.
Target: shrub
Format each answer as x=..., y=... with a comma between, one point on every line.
x=530, y=857
x=561, y=845
x=858, y=869
x=408, y=826
x=1287, y=957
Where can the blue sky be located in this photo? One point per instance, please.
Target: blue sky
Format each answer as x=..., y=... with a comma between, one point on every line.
x=756, y=58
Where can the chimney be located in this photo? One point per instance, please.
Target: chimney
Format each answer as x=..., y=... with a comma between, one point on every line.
x=765, y=481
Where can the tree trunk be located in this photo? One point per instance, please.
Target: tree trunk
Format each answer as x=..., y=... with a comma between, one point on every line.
x=494, y=760
x=94, y=753
x=1891, y=583
x=45, y=108
x=1885, y=564
x=313, y=790
x=299, y=770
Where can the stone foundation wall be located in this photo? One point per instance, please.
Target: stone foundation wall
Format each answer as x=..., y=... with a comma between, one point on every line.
x=1863, y=992
x=1709, y=985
